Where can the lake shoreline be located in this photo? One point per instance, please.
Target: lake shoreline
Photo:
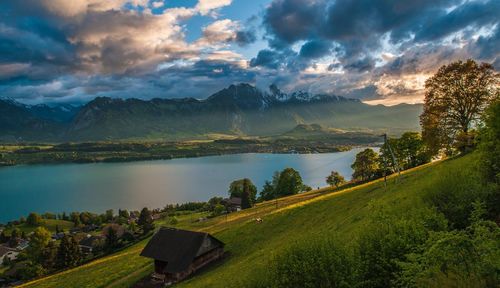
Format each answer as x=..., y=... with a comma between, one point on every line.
x=96, y=187
x=86, y=153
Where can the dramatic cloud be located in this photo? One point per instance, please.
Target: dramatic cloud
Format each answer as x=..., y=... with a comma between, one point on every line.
x=391, y=46
x=377, y=51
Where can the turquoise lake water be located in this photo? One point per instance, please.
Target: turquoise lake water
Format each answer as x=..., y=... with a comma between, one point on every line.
x=153, y=184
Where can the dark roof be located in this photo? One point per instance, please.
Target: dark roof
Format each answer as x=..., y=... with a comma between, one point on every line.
x=177, y=247
x=4, y=250
x=234, y=201
x=91, y=241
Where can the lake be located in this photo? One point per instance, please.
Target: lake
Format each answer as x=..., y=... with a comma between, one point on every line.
x=133, y=185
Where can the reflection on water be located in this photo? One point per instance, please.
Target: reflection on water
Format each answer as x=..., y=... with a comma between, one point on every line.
x=98, y=187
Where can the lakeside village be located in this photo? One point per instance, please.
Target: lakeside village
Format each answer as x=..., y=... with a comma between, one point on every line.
x=43, y=244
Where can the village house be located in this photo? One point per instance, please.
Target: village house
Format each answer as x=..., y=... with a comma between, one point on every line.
x=7, y=253
x=22, y=244
x=91, y=243
x=58, y=236
x=233, y=204
x=179, y=253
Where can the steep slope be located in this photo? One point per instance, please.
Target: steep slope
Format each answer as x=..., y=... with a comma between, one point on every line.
x=301, y=217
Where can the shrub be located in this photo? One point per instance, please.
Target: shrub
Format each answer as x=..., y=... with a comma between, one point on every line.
x=318, y=263
x=454, y=191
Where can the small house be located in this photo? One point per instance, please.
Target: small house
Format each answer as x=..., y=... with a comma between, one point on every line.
x=180, y=253
x=7, y=253
x=91, y=243
x=22, y=244
x=233, y=204
x=58, y=236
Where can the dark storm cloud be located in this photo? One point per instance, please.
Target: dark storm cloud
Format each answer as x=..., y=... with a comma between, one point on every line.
x=245, y=37
x=376, y=38
x=198, y=80
x=357, y=26
x=315, y=49
x=361, y=65
x=473, y=13
x=267, y=58
x=293, y=20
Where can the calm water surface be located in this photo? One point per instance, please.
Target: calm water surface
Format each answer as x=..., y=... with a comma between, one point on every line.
x=133, y=185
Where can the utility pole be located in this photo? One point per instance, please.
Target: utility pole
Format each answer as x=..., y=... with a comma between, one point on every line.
x=394, y=160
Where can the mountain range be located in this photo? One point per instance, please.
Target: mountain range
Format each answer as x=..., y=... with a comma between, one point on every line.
x=238, y=110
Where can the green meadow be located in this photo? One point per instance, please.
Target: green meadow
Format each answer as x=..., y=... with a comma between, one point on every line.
x=342, y=214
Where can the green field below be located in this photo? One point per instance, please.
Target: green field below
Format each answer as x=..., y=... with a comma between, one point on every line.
x=342, y=214
x=49, y=224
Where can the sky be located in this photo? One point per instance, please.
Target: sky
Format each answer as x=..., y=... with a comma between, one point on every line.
x=378, y=51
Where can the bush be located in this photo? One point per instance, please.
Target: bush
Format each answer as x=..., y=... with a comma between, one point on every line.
x=318, y=263
x=458, y=258
x=456, y=188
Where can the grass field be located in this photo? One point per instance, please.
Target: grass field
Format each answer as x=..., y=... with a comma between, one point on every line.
x=50, y=224
x=251, y=245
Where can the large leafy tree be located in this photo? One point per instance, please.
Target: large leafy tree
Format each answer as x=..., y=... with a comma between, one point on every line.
x=236, y=189
x=146, y=220
x=68, y=254
x=335, y=179
x=490, y=142
x=366, y=166
x=454, y=99
x=39, y=240
x=34, y=219
x=410, y=151
x=289, y=183
x=246, y=202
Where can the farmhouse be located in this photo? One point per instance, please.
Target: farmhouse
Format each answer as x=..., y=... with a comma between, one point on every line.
x=180, y=253
x=90, y=243
x=7, y=253
x=233, y=204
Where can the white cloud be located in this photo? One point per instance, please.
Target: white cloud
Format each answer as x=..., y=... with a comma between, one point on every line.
x=158, y=4
x=206, y=6
x=220, y=31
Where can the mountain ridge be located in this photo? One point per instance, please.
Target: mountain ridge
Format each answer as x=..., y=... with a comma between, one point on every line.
x=240, y=109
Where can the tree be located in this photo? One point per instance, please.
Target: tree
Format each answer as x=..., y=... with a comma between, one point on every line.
x=454, y=99
x=75, y=218
x=3, y=237
x=219, y=209
x=366, y=165
x=335, y=179
x=236, y=189
x=410, y=151
x=68, y=254
x=246, y=202
x=268, y=191
x=123, y=214
x=109, y=215
x=145, y=220
x=111, y=238
x=490, y=142
x=14, y=237
x=289, y=183
x=213, y=202
x=49, y=255
x=39, y=240
x=34, y=219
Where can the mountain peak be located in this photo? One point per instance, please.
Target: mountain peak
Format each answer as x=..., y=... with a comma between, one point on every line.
x=243, y=95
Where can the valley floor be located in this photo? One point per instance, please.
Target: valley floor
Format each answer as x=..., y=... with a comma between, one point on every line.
x=341, y=214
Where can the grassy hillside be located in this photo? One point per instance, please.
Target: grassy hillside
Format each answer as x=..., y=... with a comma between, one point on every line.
x=343, y=215
x=49, y=224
